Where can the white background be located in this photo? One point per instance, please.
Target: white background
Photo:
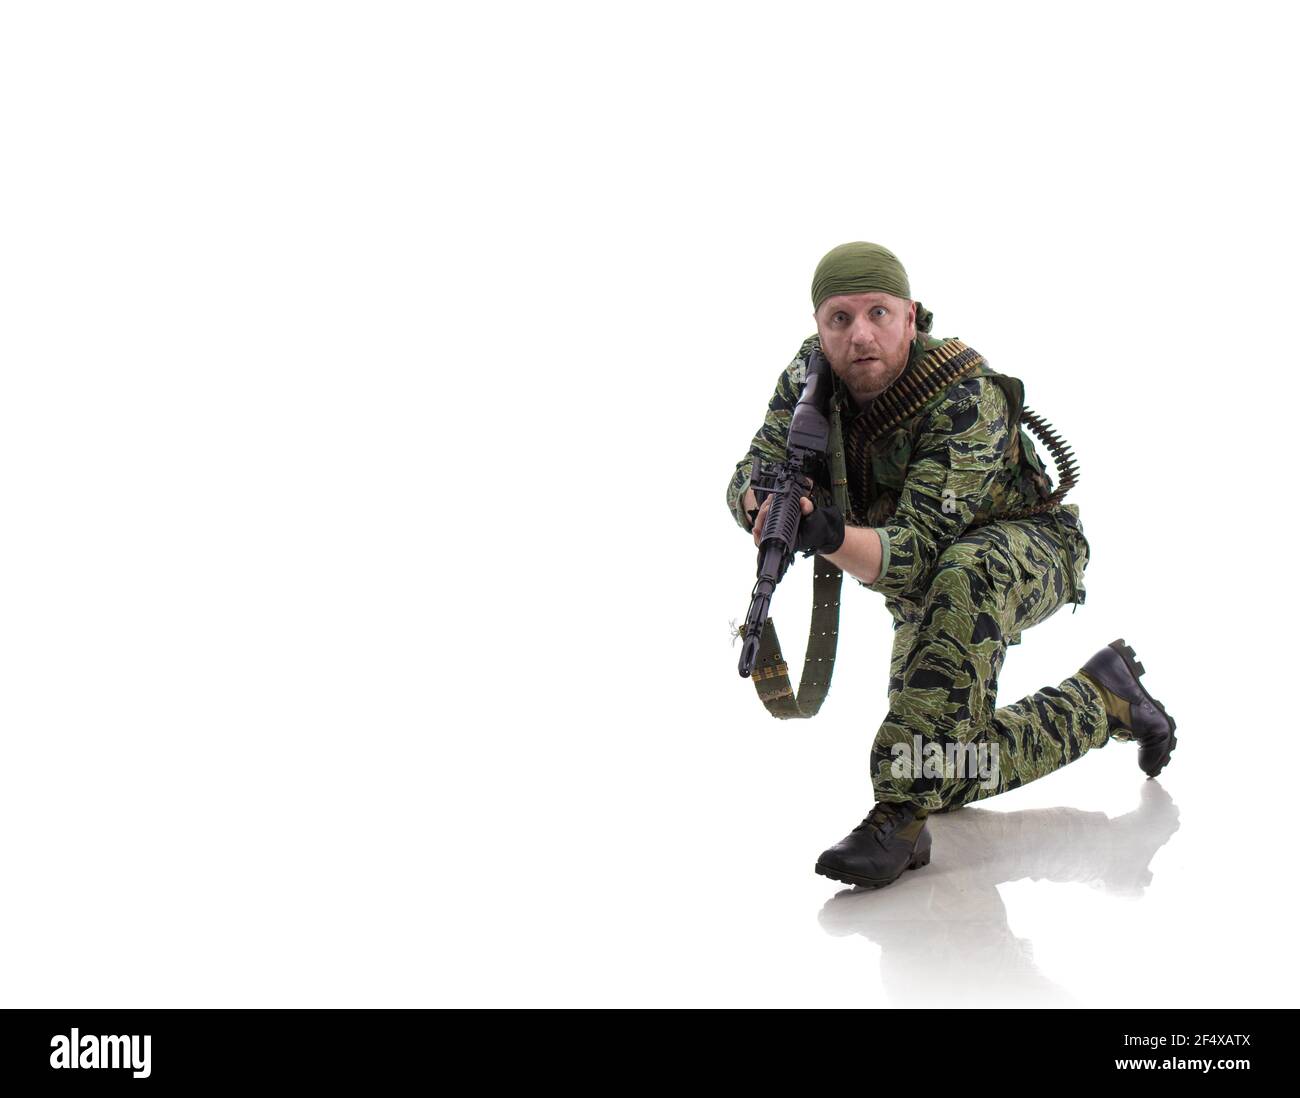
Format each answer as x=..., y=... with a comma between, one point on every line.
x=372, y=376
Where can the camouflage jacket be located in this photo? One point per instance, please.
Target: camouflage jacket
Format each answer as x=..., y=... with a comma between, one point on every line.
x=955, y=464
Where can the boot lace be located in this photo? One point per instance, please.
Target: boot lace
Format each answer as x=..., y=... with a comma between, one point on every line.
x=883, y=818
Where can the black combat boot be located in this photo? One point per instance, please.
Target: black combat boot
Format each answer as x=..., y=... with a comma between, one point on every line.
x=1115, y=672
x=893, y=838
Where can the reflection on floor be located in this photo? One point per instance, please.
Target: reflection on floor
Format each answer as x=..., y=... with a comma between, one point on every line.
x=943, y=929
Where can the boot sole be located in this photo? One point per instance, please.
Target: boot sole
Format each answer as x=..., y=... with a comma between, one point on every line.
x=916, y=862
x=1137, y=671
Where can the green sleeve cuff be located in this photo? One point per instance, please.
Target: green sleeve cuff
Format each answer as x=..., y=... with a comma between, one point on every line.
x=738, y=507
x=884, y=554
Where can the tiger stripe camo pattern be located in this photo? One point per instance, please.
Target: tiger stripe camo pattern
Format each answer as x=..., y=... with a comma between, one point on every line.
x=960, y=585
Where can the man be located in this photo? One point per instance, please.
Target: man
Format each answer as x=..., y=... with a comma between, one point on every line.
x=935, y=510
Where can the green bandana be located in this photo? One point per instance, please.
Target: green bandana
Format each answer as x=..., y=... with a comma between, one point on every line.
x=860, y=268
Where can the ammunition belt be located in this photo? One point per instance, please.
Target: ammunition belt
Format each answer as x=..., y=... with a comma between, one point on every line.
x=1067, y=468
x=930, y=375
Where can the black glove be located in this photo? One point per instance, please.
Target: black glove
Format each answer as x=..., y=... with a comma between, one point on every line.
x=821, y=532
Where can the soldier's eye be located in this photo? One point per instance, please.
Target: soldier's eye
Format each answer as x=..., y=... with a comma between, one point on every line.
x=880, y=309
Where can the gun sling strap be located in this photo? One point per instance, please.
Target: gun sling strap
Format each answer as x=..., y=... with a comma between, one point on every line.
x=930, y=374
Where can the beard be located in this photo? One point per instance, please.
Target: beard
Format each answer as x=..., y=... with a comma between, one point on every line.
x=867, y=380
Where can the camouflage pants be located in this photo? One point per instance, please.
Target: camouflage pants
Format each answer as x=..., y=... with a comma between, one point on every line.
x=943, y=742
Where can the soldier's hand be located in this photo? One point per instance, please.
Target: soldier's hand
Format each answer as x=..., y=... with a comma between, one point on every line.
x=805, y=505
x=821, y=532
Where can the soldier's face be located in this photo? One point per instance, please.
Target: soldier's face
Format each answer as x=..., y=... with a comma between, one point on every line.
x=866, y=339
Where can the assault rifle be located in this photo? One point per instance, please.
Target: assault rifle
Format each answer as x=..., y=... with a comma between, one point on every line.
x=784, y=482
